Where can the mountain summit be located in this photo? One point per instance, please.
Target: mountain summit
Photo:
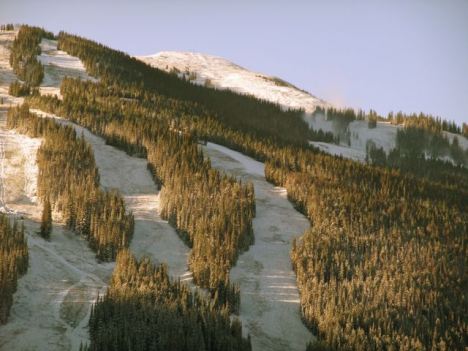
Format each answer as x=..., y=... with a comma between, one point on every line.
x=222, y=74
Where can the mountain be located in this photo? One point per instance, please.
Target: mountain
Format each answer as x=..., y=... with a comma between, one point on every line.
x=222, y=74
x=229, y=232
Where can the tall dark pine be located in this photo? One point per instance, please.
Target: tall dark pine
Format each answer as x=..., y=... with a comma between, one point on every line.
x=46, y=222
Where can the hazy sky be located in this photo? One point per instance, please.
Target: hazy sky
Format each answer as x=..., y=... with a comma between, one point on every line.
x=387, y=55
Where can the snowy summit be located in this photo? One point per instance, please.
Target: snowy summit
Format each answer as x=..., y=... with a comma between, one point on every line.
x=222, y=74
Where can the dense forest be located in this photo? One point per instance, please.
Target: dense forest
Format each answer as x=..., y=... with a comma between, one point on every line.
x=241, y=112
x=144, y=310
x=195, y=198
x=23, y=57
x=13, y=262
x=382, y=266
x=69, y=179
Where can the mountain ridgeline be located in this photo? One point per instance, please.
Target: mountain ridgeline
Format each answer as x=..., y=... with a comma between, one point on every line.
x=240, y=111
x=382, y=266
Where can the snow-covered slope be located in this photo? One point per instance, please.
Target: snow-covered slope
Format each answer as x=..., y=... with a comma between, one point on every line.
x=153, y=237
x=58, y=65
x=269, y=308
x=383, y=135
x=223, y=74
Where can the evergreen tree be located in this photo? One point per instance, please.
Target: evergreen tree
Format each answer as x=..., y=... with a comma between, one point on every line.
x=18, y=89
x=23, y=54
x=46, y=221
x=143, y=309
x=13, y=262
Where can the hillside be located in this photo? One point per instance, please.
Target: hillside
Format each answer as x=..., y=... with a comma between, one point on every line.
x=220, y=73
x=190, y=218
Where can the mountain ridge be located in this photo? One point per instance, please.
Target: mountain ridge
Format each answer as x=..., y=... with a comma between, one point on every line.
x=216, y=71
x=220, y=73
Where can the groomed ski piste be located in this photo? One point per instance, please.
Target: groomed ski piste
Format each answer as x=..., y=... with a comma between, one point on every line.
x=270, y=303
x=58, y=64
x=153, y=237
x=53, y=300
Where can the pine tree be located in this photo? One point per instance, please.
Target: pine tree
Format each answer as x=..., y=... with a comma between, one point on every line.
x=46, y=222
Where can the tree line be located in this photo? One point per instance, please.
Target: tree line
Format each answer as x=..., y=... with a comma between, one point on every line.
x=422, y=120
x=69, y=179
x=420, y=147
x=7, y=27
x=13, y=262
x=427, y=154
x=427, y=122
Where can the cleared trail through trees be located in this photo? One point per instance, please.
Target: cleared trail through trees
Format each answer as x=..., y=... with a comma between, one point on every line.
x=129, y=175
x=269, y=296
x=2, y=175
x=52, y=303
x=153, y=236
x=53, y=299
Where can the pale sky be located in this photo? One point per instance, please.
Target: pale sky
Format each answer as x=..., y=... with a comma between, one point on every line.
x=409, y=55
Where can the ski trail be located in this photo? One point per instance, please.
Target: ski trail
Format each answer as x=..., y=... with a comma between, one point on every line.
x=46, y=315
x=89, y=280
x=3, y=207
x=270, y=302
x=34, y=241
x=53, y=300
x=153, y=236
